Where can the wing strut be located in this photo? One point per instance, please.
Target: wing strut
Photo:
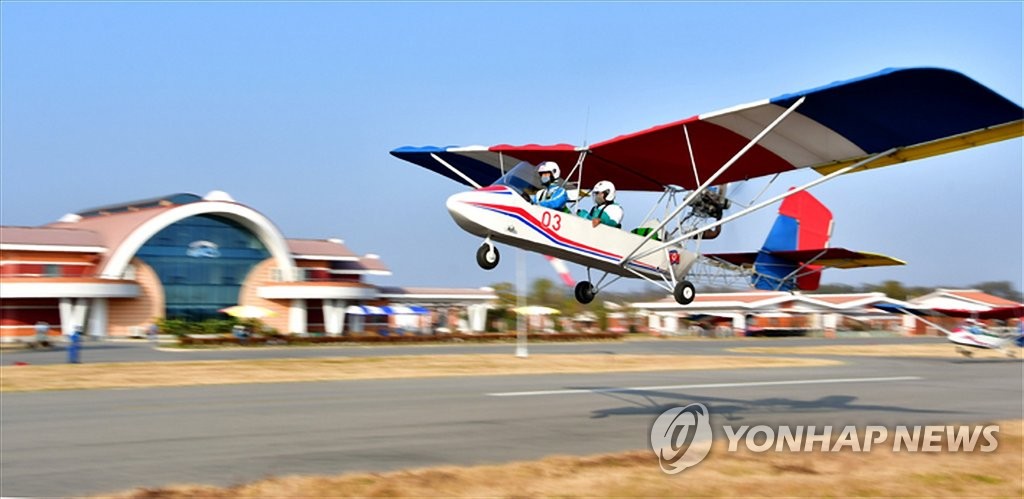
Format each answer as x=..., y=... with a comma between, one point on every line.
x=926, y=321
x=456, y=171
x=758, y=206
x=689, y=148
x=761, y=205
x=686, y=202
x=796, y=273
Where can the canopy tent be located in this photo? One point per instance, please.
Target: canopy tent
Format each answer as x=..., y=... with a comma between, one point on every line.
x=536, y=310
x=247, y=312
x=388, y=310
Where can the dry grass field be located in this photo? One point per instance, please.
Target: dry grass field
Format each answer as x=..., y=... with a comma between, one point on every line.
x=879, y=473
x=155, y=374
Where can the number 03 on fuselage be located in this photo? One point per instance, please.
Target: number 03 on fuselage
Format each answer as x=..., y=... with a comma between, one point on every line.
x=503, y=213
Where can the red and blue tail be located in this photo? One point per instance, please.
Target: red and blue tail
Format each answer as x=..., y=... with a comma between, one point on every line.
x=803, y=224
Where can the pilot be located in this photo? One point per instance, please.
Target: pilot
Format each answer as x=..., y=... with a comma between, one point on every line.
x=605, y=211
x=553, y=195
x=974, y=327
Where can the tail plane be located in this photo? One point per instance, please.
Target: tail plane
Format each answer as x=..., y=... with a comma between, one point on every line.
x=797, y=249
x=804, y=223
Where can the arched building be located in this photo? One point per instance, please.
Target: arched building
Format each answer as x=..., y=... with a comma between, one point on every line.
x=115, y=269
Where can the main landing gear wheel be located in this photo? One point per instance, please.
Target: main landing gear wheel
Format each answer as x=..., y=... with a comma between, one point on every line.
x=487, y=256
x=585, y=292
x=684, y=293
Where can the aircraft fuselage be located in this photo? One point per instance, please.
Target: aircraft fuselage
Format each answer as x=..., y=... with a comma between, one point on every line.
x=501, y=214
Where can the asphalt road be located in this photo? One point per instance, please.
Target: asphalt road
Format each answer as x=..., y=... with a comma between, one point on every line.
x=84, y=442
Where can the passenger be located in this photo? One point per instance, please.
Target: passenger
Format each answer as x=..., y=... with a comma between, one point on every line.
x=605, y=211
x=553, y=195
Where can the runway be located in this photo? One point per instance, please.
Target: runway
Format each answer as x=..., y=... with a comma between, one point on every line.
x=141, y=351
x=84, y=442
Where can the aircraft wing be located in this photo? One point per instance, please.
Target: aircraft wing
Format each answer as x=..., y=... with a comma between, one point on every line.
x=995, y=313
x=839, y=258
x=1015, y=311
x=921, y=112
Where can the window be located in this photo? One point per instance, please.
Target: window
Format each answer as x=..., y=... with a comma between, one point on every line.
x=201, y=262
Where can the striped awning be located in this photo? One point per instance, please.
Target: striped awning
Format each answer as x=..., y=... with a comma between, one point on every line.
x=388, y=310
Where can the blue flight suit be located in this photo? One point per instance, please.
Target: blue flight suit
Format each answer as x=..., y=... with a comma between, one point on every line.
x=553, y=196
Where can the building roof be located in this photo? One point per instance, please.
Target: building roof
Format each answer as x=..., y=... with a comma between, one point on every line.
x=369, y=264
x=112, y=229
x=50, y=239
x=373, y=264
x=167, y=200
x=962, y=298
x=436, y=294
x=321, y=249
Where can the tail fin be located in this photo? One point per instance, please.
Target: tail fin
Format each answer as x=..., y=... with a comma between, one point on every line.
x=803, y=223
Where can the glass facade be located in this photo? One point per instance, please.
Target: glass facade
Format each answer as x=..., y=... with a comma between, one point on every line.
x=202, y=262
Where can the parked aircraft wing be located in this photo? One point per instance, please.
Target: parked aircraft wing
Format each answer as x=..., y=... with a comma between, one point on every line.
x=995, y=313
x=1014, y=311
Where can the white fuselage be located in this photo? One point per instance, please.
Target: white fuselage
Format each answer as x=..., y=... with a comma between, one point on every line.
x=966, y=338
x=501, y=214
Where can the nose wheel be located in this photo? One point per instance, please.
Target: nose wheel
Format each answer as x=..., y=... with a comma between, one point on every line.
x=585, y=292
x=684, y=293
x=487, y=256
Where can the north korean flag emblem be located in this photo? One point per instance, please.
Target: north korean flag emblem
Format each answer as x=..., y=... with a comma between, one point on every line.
x=673, y=257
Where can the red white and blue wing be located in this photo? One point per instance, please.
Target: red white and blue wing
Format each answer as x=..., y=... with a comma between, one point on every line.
x=921, y=112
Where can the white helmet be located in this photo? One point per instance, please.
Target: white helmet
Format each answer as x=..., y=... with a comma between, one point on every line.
x=607, y=188
x=549, y=167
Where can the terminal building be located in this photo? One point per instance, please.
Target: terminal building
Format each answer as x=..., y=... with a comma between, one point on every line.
x=114, y=270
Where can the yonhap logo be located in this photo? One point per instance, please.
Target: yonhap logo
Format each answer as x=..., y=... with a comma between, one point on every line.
x=681, y=437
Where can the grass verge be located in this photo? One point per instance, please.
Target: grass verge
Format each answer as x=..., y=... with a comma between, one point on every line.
x=878, y=473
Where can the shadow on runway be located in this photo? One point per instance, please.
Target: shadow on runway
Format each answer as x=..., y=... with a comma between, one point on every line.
x=645, y=402
x=1004, y=360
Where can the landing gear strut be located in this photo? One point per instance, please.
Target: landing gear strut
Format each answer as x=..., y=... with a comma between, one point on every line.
x=684, y=293
x=487, y=256
x=585, y=292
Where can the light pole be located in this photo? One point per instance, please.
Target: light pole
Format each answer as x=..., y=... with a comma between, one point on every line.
x=521, y=349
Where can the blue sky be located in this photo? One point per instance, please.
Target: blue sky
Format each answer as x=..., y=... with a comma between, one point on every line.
x=292, y=109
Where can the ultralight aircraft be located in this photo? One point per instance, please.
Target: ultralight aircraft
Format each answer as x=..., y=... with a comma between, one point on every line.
x=971, y=334
x=882, y=119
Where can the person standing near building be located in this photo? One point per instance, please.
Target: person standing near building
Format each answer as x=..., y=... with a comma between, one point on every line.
x=75, y=348
x=42, y=334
